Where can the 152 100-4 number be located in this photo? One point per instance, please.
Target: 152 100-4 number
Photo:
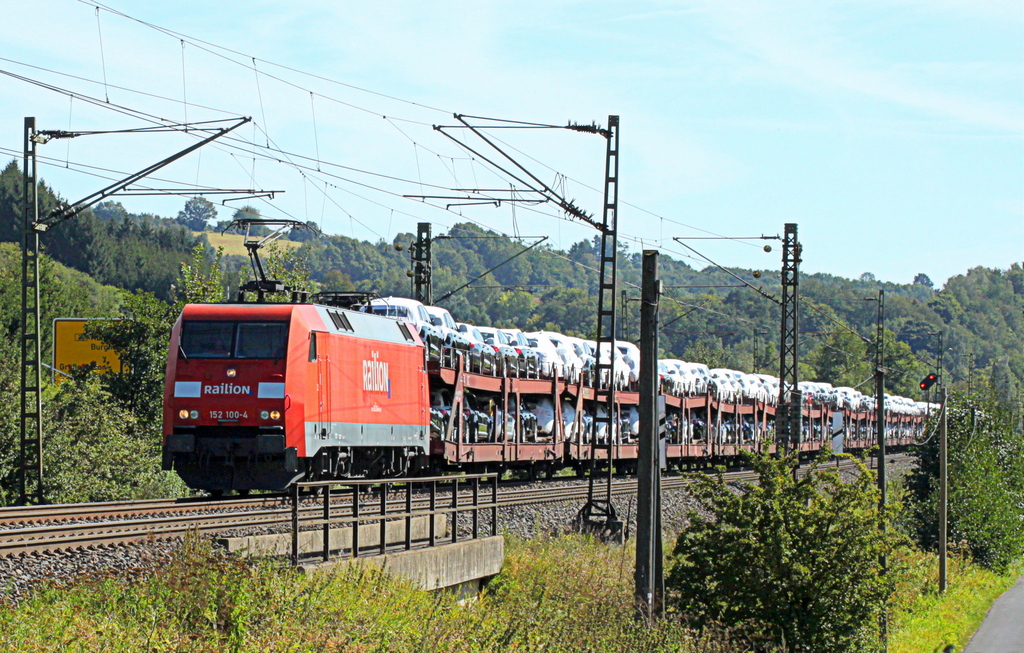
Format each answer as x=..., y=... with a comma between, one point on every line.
x=229, y=414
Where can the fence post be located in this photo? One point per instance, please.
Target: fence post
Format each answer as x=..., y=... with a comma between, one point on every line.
x=383, y=517
x=476, y=507
x=455, y=510
x=408, y=516
x=295, y=524
x=433, y=507
x=327, y=523
x=494, y=504
x=355, y=520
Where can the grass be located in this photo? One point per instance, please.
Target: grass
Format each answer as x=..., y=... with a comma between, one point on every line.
x=555, y=594
x=924, y=621
x=566, y=594
x=232, y=243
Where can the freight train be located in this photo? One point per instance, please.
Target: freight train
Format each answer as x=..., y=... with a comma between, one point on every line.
x=262, y=395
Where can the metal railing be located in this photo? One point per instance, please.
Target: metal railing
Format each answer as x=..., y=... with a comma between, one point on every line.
x=391, y=500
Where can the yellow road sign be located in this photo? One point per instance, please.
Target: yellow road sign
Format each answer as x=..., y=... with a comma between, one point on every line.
x=72, y=350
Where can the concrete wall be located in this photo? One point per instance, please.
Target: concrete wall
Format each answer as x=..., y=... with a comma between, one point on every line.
x=462, y=565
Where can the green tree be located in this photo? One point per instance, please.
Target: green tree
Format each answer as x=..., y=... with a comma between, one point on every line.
x=841, y=359
x=290, y=266
x=903, y=370
x=202, y=278
x=141, y=339
x=790, y=563
x=198, y=213
x=707, y=351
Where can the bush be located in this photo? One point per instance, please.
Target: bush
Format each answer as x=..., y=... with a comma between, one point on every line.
x=793, y=563
x=986, y=482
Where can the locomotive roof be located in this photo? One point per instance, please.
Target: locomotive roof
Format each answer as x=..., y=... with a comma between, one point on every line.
x=331, y=319
x=237, y=311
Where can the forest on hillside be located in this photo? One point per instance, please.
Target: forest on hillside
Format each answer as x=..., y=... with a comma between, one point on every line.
x=707, y=315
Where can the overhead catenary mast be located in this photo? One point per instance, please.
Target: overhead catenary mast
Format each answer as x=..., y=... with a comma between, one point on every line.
x=789, y=414
x=31, y=487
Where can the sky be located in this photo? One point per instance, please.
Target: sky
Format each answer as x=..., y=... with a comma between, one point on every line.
x=891, y=132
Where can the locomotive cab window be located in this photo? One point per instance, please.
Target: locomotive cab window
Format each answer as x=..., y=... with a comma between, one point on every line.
x=261, y=340
x=234, y=339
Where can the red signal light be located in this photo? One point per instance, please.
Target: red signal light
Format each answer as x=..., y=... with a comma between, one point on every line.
x=929, y=381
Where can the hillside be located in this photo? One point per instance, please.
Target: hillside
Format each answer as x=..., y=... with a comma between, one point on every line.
x=981, y=313
x=130, y=253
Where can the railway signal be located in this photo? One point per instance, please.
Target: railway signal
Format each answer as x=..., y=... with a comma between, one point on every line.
x=929, y=381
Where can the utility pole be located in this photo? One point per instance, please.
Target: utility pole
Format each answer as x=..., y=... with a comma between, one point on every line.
x=421, y=264
x=943, y=496
x=789, y=414
x=880, y=430
x=30, y=485
x=649, y=575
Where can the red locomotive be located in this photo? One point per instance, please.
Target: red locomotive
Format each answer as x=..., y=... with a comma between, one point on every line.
x=260, y=395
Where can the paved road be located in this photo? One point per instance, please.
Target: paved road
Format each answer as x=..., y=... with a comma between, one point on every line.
x=1003, y=628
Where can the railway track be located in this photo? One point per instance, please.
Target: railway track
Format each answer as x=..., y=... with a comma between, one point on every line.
x=72, y=527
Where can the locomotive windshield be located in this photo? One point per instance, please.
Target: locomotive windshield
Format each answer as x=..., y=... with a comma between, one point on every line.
x=233, y=339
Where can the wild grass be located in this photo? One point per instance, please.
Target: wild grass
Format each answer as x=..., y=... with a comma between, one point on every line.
x=924, y=621
x=560, y=594
x=555, y=594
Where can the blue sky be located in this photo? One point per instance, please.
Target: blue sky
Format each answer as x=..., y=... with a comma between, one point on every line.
x=891, y=132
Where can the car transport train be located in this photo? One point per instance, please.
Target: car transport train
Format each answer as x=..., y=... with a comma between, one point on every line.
x=262, y=395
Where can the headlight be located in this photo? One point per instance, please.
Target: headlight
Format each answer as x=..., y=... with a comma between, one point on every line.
x=231, y=372
x=275, y=414
x=183, y=414
x=194, y=414
x=264, y=414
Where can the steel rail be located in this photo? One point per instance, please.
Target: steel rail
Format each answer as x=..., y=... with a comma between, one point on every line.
x=34, y=514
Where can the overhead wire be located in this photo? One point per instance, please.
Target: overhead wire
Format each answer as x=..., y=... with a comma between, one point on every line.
x=634, y=206
x=267, y=145
x=103, y=59
x=183, y=38
x=170, y=32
